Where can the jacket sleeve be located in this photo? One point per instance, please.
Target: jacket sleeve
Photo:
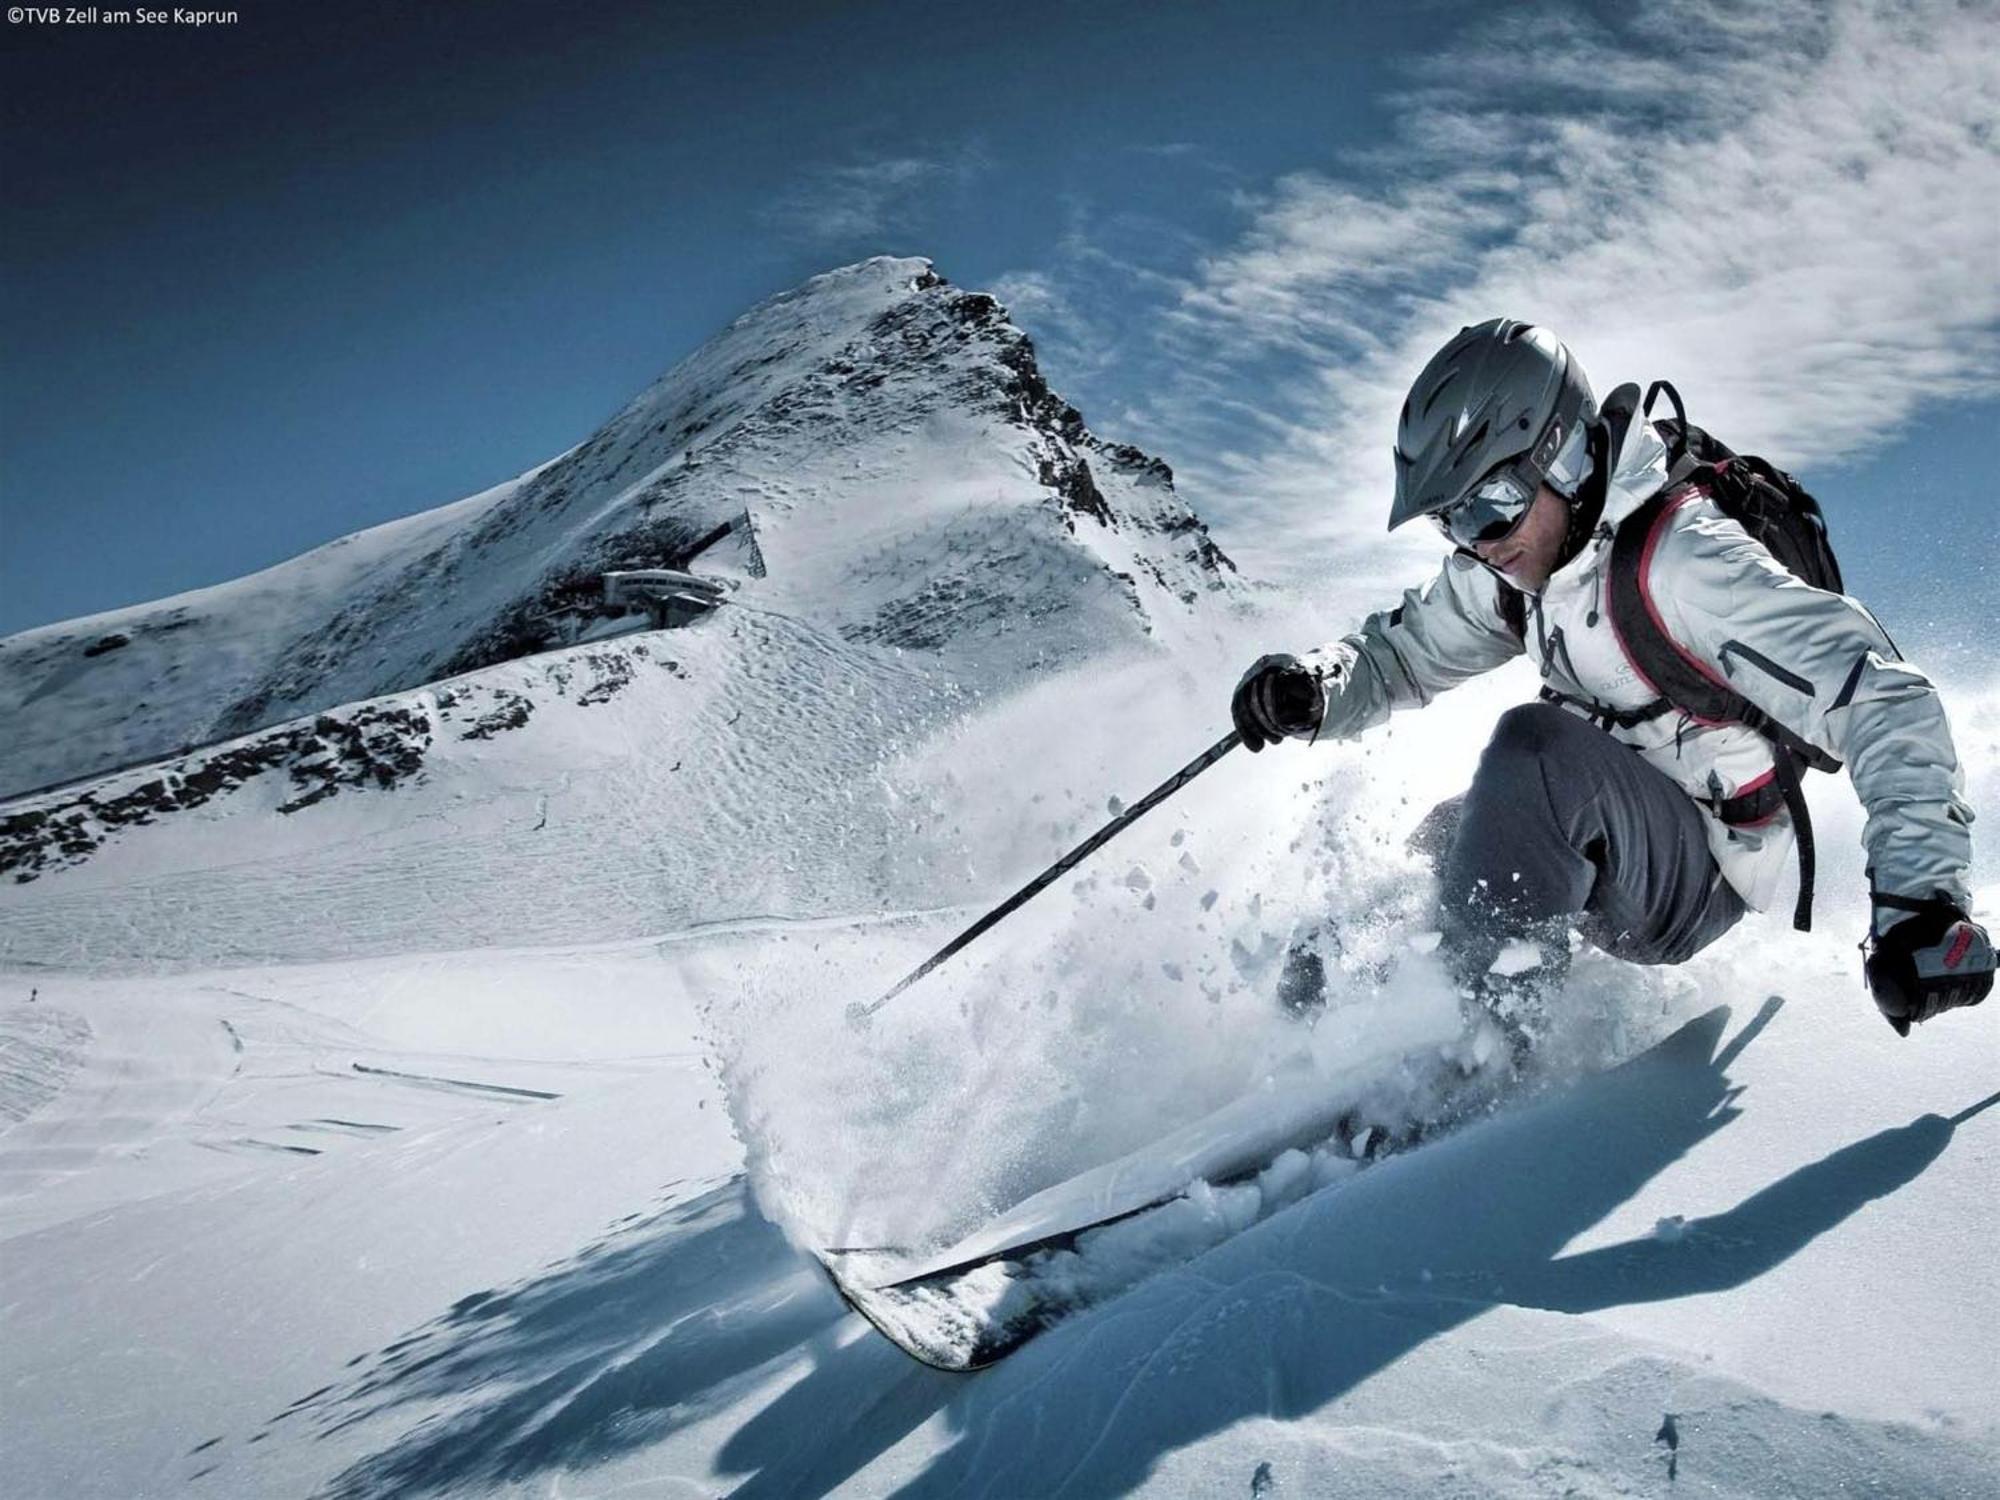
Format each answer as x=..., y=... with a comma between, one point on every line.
x=1440, y=635
x=1822, y=666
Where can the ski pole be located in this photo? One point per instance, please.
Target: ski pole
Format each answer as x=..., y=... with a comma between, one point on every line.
x=860, y=1012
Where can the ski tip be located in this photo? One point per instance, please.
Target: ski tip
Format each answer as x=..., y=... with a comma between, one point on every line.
x=935, y=1323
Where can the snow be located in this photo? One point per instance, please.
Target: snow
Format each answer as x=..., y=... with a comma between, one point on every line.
x=469, y=1134
x=892, y=465
x=1517, y=958
x=592, y=1289
x=504, y=1292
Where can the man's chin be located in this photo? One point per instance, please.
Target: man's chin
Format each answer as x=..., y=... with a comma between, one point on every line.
x=1520, y=575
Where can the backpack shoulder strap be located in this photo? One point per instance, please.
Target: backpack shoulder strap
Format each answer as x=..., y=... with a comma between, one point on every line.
x=1672, y=672
x=1689, y=684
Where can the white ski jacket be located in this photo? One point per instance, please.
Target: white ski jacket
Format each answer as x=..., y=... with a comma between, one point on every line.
x=1818, y=663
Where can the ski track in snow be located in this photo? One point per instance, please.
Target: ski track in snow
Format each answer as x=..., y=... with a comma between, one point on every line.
x=40, y=1047
x=388, y=872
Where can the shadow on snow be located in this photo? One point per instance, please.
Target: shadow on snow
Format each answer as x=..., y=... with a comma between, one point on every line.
x=677, y=1315
x=641, y=1333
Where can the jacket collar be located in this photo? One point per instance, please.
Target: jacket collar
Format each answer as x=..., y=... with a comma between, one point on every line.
x=1638, y=470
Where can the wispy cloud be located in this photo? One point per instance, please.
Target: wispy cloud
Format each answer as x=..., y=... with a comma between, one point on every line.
x=864, y=200
x=1041, y=301
x=1077, y=306
x=1789, y=212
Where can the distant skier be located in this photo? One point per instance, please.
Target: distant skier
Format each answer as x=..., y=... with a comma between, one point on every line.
x=1664, y=587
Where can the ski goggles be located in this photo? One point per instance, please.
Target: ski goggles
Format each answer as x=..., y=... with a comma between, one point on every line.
x=1495, y=505
x=1493, y=508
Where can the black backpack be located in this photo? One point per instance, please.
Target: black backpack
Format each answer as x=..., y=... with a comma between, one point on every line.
x=1766, y=501
x=1776, y=510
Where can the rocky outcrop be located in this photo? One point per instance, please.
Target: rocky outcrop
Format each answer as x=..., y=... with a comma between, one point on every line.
x=375, y=745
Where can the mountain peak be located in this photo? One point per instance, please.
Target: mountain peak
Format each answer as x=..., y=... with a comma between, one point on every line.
x=874, y=451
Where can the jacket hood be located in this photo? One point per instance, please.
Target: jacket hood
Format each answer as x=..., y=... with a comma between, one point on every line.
x=1639, y=467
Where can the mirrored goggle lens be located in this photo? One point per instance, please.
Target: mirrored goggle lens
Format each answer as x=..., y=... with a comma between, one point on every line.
x=1492, y=510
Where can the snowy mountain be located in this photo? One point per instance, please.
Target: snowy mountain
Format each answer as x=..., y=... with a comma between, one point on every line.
x=887, y=458
x=899, y=517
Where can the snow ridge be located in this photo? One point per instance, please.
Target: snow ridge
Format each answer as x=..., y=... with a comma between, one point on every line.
x=877, y=441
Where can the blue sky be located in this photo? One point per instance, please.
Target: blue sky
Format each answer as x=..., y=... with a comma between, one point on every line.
x=266, y=283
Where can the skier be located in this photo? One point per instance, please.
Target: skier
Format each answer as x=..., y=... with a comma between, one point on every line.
x=1600, y=542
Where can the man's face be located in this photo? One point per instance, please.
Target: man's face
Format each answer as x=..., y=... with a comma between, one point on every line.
x=1527, y=554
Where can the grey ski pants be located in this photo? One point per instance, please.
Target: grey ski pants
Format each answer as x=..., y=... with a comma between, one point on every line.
x=1565, y=826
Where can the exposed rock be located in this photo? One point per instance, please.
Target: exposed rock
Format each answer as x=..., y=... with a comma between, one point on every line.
x=373, y=745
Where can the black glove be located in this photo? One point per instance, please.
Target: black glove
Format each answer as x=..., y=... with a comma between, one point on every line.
x=1929, y=963
x=1278, y=697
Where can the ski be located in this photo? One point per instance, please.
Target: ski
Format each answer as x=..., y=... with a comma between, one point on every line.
x=1085, y=1241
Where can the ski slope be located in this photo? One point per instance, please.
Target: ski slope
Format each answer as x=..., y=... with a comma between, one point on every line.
x=527, y=1220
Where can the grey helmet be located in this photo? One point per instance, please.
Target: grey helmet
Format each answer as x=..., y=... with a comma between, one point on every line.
x=1503, y=392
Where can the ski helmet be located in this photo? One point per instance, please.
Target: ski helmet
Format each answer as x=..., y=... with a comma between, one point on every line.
x=1500, y=402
